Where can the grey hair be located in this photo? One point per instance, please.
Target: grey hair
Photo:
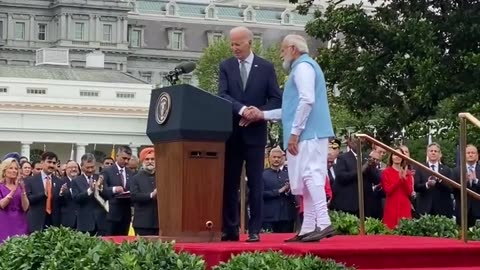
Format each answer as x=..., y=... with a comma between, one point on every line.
x=297, y=41
x=133, y=157
x=242, y=29
x=88, y=157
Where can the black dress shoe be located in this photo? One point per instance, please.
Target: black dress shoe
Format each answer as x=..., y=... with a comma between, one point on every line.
x=298, y=238
x=254, y=237
x=319, y=235
x=230, y=237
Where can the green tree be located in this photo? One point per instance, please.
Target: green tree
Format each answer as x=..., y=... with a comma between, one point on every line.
x=403, y=61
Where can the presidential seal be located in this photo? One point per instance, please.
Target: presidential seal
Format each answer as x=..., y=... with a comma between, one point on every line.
x=163, y=108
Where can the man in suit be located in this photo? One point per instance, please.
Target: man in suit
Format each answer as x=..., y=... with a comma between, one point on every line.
x=433, y=196
x=144, y=195
x=117, y=189
x=245, y=80
x=345, y=187
x=473, y=169
x=307, y=126
x=68, y=205
x=91, y=212
x=45, y=192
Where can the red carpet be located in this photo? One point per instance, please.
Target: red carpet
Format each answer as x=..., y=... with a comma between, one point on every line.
x=363, y=252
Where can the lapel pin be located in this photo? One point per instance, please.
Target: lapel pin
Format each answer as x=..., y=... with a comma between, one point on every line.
x=255, y=65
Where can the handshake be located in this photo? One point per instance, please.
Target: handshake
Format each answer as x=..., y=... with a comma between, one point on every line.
x=250, y=114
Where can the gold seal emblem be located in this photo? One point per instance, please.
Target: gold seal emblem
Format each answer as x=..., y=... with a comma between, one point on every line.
x=163, y=108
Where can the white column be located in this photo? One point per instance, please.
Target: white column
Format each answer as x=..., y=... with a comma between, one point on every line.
x=125, y=30
x=63, y=26
x=118, y=36
x=26, y=149
x=32, y=29
x=134, y=150
x=80, y=151
x=70, y=28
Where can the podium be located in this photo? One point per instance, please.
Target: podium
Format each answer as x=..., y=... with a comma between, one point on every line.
x=188, y=128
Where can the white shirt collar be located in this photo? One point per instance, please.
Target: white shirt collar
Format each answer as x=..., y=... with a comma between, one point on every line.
x=248, y=60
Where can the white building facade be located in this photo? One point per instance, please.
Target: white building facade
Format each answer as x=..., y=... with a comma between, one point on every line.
x=71, y=117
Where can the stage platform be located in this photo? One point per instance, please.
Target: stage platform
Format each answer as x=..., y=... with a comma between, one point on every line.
x=363, y=252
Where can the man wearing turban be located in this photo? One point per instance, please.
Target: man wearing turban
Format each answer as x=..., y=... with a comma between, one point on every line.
x=144, y=195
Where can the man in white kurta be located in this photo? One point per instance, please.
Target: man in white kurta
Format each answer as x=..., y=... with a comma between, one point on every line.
x=307, y=126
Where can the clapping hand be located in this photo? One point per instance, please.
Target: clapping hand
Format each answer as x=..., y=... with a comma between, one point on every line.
x=250, y=115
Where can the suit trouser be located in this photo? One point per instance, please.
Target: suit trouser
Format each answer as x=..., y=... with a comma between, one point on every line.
x=145, y=231
x=254, y=156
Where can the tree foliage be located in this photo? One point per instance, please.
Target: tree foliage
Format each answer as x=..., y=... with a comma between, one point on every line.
x=402, y=62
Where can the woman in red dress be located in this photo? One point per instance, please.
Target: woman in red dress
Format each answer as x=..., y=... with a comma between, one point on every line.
x=397, y=182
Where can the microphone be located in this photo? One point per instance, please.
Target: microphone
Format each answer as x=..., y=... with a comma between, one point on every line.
x=185, y=68
x=182, y=68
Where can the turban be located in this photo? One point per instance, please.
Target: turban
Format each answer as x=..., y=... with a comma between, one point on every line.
x=13, y=155
x=145, y=152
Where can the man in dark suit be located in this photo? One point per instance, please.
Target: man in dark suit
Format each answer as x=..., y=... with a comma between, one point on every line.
x=44, y=192
x=144, y=195
x=473, y=169
x=68, y=205
x=246, y=80
x=433, y=196
x=117, y=189
x=345, y=186
x=92, y=209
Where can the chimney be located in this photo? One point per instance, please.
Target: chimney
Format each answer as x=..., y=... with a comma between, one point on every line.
x=95, y=59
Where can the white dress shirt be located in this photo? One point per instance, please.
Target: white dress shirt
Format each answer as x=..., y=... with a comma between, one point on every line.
x=248, y=65
x=304, y=78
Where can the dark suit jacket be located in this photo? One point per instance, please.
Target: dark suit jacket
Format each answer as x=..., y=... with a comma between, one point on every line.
x=276, y=206
x=119, y=208
x=473, y=205
x=37, y=197
x=68, y=206
x=345, y=187
x=436, y=199
x=145, y=214
x=91, y=215
x=261, y=91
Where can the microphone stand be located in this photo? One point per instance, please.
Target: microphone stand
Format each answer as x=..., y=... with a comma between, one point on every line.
x=172, y=77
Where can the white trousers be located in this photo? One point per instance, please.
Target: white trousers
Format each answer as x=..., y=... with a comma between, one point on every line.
x=307, y=172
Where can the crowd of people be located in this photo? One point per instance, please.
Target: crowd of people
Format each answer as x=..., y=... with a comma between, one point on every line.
x=82, y=197
x=393, y=188
x=316, y=178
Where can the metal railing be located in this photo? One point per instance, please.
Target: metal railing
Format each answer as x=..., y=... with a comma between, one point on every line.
x=462, y=186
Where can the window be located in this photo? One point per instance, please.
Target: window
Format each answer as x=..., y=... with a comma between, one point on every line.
x=126, y=95
x=107, y=32
x=79, y=31
x=211, y=13
x=20, y=30
x=286, y=18
x=177, y=40
x=257, y=39
x=89, y=93
x=1, y=29
x=135, y=38
x=36, y=91
x=3, y=90
x=217, y=37
x=171, y=10
x=249, y=16
x=146, y=77
x=42, y=31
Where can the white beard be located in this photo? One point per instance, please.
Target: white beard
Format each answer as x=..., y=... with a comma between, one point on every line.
x=286, y=65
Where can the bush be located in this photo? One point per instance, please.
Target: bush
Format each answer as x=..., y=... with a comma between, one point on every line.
x=64, y=249
x=276, y=260
x=427, y=225
x=349, y=224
